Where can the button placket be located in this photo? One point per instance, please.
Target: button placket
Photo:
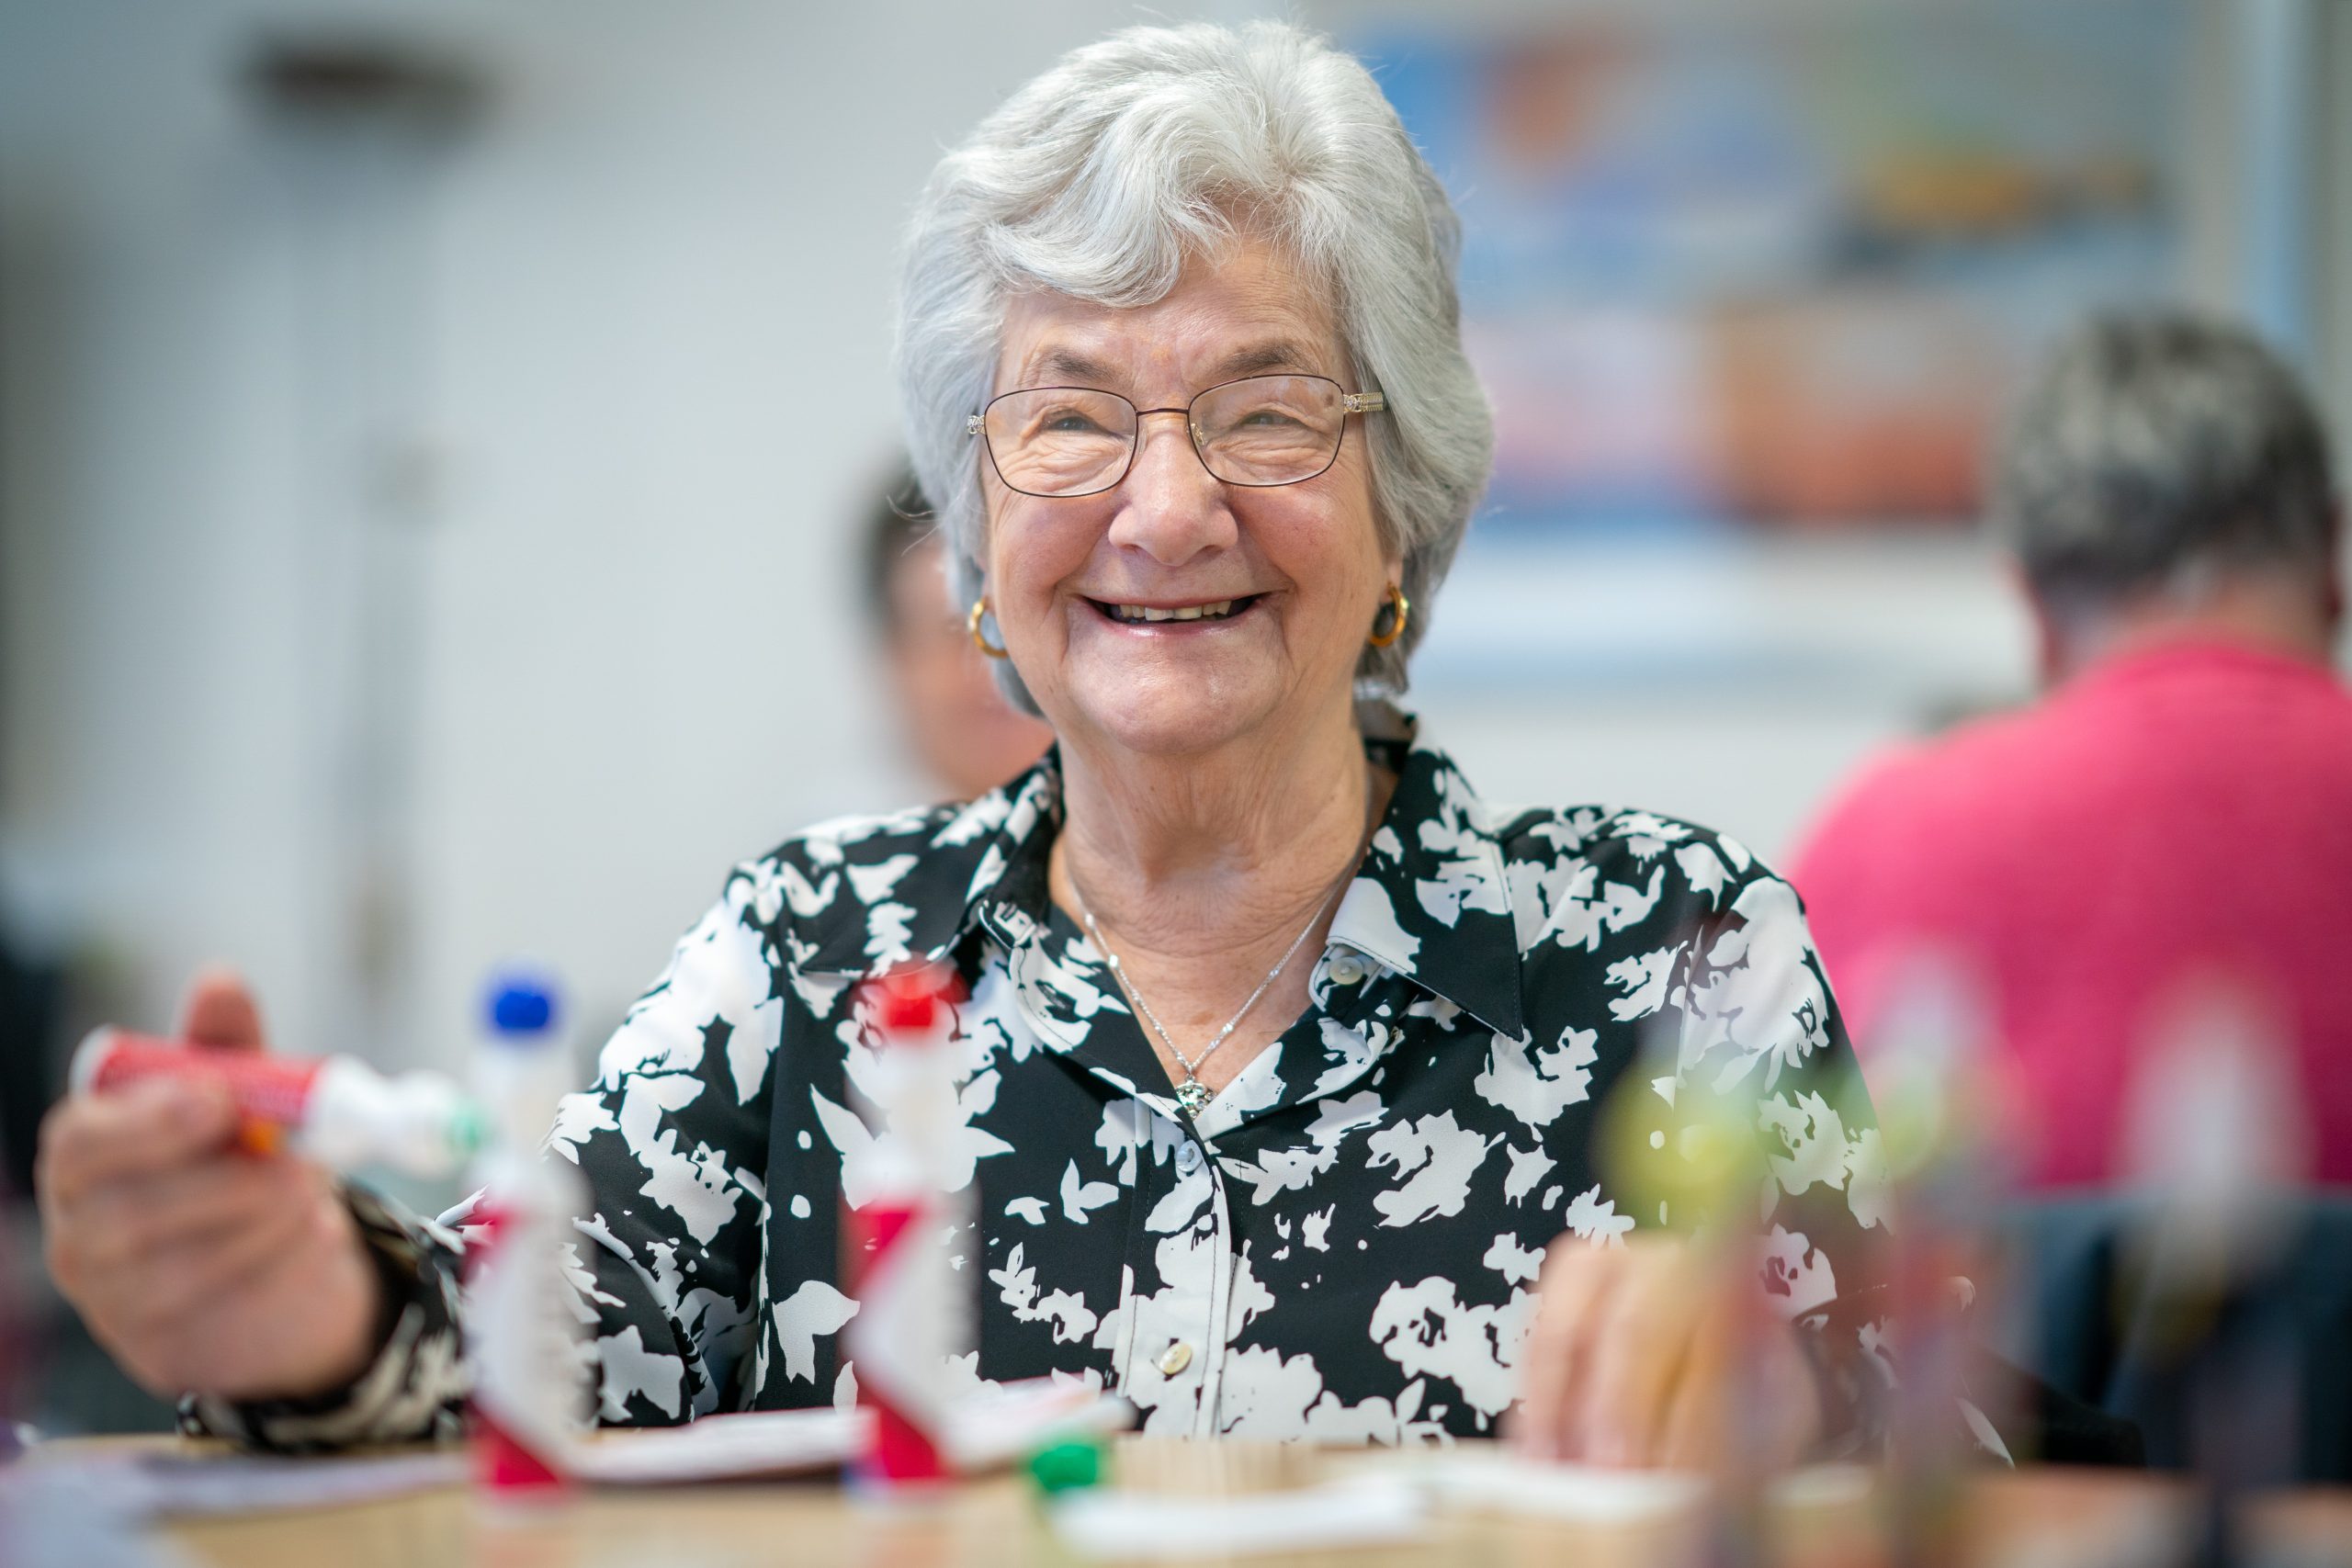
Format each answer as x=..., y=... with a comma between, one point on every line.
x=1170, y=1335
x=1214, y=1341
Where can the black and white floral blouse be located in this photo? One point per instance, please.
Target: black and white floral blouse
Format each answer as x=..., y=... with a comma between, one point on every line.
x=1345, y=1245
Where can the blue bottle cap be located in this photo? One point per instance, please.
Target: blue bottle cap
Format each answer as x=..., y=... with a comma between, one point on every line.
x=521, y=1004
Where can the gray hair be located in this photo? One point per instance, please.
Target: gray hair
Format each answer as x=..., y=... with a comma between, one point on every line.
x=2155, y=450
x=1100, y=178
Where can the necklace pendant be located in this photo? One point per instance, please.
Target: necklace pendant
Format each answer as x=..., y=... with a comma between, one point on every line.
x=1191, y=1094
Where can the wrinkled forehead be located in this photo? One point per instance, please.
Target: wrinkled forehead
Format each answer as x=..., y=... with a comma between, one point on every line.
x=1247, y=312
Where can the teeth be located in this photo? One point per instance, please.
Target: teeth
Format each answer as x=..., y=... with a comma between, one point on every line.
x=1140, y=612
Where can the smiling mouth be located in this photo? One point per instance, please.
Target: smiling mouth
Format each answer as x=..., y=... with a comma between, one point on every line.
x=1153, y=615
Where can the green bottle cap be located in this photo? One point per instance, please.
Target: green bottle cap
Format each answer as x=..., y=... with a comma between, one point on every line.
x=1066, y=1467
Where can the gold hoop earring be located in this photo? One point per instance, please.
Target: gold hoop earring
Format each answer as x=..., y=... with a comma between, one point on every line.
x=1404, y=608
x=972, y=625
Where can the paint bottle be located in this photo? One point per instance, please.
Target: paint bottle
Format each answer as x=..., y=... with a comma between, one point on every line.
x=335, y=1110
x=912, y=1316
x=529, y=1394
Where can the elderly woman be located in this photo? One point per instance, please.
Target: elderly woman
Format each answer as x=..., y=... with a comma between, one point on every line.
x=1283, y=1051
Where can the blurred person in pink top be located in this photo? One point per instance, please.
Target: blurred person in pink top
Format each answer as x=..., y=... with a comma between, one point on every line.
x=2177, y=808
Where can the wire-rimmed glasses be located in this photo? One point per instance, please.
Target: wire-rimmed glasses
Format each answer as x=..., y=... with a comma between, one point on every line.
x=1258, y=431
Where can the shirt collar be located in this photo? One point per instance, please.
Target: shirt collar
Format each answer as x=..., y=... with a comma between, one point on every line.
x=2198, y=652
x=1431, y=901
x=953, y=866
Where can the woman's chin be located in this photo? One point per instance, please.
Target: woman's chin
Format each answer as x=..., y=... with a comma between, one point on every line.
x=1171, y=719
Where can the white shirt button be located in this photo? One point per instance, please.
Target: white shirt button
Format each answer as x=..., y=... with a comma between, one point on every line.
x=1175, y=1359
x=1187, y=1157
x=1347, y=969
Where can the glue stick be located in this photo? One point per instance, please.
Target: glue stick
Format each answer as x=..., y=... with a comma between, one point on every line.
x=911, y=1316
x=529, y=1397
x=335, y=1110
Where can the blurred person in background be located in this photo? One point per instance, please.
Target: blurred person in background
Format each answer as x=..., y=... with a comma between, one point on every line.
x=32, y=994
x=951, y=718
x=1284, y=1050
x=2177, y=808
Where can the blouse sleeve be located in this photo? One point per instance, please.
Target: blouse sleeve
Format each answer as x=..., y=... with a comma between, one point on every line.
x=1761, y=1036
x=671, y=1140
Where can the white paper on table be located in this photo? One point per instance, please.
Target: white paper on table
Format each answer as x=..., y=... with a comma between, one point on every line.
x=151, y=1485
x=992, y=1426
x=51, y=1512
x=1116, y=1524
x=722, y=1447
x=999, y=1424
x=1508, y=1485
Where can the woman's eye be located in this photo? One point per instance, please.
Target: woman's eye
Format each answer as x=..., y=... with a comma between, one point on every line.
x=1067, y=422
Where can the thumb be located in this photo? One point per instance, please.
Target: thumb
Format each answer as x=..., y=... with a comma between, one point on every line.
x=220, y=1011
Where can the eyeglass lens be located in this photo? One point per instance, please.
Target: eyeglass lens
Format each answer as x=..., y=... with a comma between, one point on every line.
x=1266, y=429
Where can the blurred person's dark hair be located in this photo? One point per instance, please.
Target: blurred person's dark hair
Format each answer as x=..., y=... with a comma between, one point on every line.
x=955, y=723
x=899, y=522
x=2156, y=452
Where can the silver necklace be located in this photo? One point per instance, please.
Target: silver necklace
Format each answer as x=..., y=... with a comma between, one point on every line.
x=1193, y=1093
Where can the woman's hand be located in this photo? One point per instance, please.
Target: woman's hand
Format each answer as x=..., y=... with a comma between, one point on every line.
x=1634, y=1355
x=198, y=1265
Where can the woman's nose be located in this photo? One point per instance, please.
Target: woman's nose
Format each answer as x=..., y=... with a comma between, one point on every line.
x=1171, y=507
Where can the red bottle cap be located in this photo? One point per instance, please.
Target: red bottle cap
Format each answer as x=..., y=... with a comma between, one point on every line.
x=910, y=1001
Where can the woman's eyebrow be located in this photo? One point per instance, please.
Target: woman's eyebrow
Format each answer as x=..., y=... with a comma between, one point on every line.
x=1063, y=367
x=1059, y=367
x=1277, y=356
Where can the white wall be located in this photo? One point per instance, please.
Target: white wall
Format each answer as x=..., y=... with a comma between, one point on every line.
x=1734, y=688
x=1578, y=675
x=648, y=387
x=599, y=476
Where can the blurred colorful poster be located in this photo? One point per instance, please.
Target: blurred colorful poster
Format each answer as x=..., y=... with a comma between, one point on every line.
x=1774, y=273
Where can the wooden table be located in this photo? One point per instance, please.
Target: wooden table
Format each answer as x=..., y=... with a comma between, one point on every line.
x=2049, y=1517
